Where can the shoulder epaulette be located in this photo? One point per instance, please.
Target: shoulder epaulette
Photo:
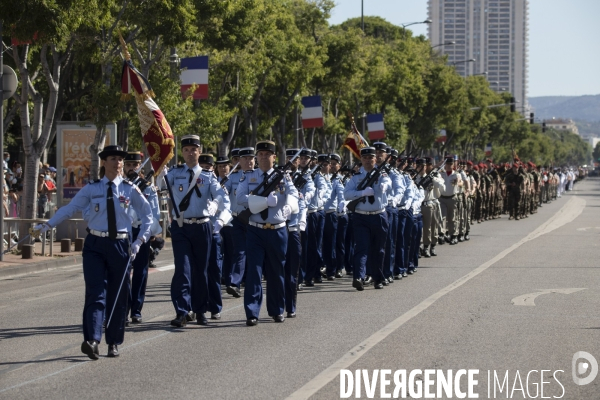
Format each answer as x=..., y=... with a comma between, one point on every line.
x=96, y=181
x=176, y=166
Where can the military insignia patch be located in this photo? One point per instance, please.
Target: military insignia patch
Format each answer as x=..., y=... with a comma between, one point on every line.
x=243, y=178
x=252, y=180
x=181, y=188
x=199, y=181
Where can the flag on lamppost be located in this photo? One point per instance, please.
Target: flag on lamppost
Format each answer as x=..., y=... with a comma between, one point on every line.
x=194, y=73
x=488, y=149
x=441, y=137
x=312, y=113
x=156, y=132
x=375, y=126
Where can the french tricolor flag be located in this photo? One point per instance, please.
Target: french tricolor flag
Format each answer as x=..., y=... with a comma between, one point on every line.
x=488, y=149
x=194, y=71
x=442, y=136
x=312, y=113
x=375, y=126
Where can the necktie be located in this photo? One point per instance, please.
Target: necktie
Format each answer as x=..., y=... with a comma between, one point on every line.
x=264, y=214
x=185, y=203
x=110, y=210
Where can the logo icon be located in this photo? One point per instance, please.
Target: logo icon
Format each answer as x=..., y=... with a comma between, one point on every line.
x=582, y=361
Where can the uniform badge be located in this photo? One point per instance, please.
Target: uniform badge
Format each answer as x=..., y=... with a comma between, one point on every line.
x=124, y=202
x=243, y=178
x=181, y=188
x=97, y=208
x=199, y=181
x=252, y=180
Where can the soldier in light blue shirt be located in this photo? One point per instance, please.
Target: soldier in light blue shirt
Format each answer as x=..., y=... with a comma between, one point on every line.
x=107, y=249
x=370, y=224
x=405, y=221
x=140, y=265
x=306, y=188
x=342, y=218
x=335, y=198
x=196, y=195
x=266, y=235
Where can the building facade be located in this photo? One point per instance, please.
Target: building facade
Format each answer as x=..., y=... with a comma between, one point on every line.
x=494, y=33
x=561, y=124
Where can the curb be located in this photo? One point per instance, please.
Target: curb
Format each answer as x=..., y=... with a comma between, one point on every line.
x=49, y=265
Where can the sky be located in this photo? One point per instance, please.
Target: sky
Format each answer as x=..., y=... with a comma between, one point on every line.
x=564, y=39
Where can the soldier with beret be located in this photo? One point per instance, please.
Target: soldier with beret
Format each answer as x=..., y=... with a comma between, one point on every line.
x=430, y=209
x=449, y=200
x=266, y=235
x=196, y=198
x=107, y=249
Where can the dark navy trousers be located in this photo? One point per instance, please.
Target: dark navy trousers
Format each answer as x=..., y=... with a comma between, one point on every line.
x=349, y=244
x=215, y=265
x=191, y=248
x=266, y=255
x=139, y=278
x=370, y=235
x=416, y=241
x=227, y=251
x=292, y=264
x=340, y=243
x=104, y=264
x=315, y=223
x=329, y=242
x=405, y=226
x=390, y=246
x=238, y=236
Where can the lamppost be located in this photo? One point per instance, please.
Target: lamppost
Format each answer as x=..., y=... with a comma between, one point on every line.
x=444, y=44
x=362, y=15
x=404, y=26
x=463, y=61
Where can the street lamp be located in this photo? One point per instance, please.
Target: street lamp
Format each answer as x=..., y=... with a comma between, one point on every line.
x=444, y=44
x=463, y=61
x=480, y=74
x=427, y=21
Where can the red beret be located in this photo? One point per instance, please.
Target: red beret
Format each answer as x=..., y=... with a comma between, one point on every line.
x=470, y=163
x=476, y=167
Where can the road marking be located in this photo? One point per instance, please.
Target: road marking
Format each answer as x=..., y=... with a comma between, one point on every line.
x=588, y=228
x=529, y=298
x=47, y=296
x=165, y=268
x=571, y=210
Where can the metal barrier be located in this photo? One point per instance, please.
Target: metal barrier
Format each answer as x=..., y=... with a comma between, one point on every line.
x=10, y=222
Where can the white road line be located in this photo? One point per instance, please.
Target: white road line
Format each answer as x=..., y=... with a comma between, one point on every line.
x=529, y=298
x=166, y=268
x=46, y=296
x=571, y=210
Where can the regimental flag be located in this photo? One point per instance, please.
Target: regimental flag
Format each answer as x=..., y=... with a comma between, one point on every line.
x=156, y=132
x=194, y=72
x=312, y=113
x=442, y=136
x=375, y=126
x=488, y=149
x=355, y=141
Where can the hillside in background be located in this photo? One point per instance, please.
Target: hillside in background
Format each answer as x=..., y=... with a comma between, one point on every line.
x=577, y=108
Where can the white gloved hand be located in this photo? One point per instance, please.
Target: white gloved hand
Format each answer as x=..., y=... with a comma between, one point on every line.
x=217, y=226
x=367, y=192
x=272, y=200
x=212, y=207
x=384, y=187
x=135, y=247
x=286, y=210
x=341, y=207
x=302, y=225
x=41, y=228
x=159, y=178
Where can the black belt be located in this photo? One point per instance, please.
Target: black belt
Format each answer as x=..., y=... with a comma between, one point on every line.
x=448, y=197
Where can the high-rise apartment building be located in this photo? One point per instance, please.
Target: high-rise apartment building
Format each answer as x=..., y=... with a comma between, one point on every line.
x=491, y=32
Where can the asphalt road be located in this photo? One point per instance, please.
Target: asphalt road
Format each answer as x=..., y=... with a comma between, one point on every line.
x=520, y=296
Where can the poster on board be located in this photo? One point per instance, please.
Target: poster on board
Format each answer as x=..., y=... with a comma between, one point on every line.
x=73, y=141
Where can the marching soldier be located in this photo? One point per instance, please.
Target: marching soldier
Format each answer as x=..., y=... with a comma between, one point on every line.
x=307, y=190
x=448, y=199
x=266, y=236
x=233, y=281
x=370, y=224
x=195, y=199
x=331, y=207
x=405, y=221
x=140, y=264
x=429, y=209
x=342, y=217
x=107, y=250
x=513, y=181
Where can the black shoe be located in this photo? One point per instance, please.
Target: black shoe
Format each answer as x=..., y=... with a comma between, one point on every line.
x=234, y=291
x=279, y=318
x=127, y=322
x=404, y=274
x=453, y=240
x=215, y=315
x=309, y=283
x=441, y=240
x=467, y=237
x=136, y=320
x=383, y=282
x=190, y=316
x=368, y=280
x=349, y=273
x=318, y=279
x=331, y=278
x=300, y=288
x=338, y=274
x=433, y=252
x=202, y=319
x=390, y=279
x=448, y=239
x=180, y=321
x=358, y=285
x=113, y=350
x=291, y=315
x=460, y=238
x=90, y=349
x=252, y=321
x=378, y=285
x=323, y=272
x=398, y=277
x=426, y=253
x=411, y=271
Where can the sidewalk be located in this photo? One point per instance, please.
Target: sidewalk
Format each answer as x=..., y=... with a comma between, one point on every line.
x=13, y=265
